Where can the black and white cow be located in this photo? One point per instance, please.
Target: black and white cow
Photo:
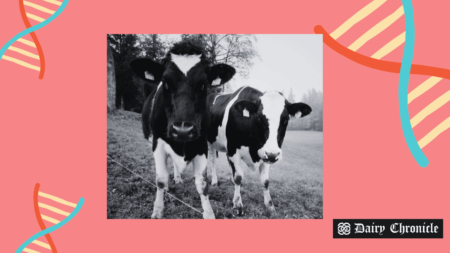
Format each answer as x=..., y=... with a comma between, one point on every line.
x=250, y=125
x=175, y=116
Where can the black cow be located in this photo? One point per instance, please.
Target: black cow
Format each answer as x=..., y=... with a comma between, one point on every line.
x=175, y=117
x=250, y=125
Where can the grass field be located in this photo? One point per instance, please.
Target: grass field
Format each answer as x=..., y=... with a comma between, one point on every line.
x=295, y=182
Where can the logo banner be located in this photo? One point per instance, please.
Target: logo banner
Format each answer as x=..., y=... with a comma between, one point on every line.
x=388, y=228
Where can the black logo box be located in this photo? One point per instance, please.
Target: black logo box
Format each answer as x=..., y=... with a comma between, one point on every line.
x=422, y=228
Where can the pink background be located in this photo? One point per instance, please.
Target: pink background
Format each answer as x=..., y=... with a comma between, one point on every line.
x=54, y=130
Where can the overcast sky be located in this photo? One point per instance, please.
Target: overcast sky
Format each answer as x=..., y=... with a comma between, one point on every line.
x=287, y=61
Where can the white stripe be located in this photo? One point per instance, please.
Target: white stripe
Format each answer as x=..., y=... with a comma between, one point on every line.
x=151, y=108
x=217, y=97
x=221, y=141
x=273, y=105
x=159, y=85
x=185, y=62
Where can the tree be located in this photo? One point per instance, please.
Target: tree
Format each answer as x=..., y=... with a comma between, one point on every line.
x=111, y=81
x=237, y=50
x=126, y=47
x=153, y=46
x=314, y=121
x=291, y=96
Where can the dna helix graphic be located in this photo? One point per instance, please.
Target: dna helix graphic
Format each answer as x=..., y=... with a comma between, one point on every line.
x=42, y=241
x=405, y=68
x=27, y=51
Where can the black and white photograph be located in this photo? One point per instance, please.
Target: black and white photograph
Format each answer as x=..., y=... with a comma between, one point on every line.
x=214, y=126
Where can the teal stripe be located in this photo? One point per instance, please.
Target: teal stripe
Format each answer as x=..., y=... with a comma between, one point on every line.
x=405, y=69
x=33, y=28
x=52, y=228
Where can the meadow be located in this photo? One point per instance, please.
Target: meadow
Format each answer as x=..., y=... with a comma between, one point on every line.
x=295, y=182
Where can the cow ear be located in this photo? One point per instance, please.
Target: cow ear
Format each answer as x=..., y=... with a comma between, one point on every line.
x=246, y=107
x=147, y=69
x=298, y=109
x=220, y=74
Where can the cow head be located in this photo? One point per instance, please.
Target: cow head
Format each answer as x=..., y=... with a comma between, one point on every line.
x=269, y=116
x=185, y=76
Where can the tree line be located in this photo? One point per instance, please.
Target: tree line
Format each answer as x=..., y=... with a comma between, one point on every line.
x=314, y=121
x=129, y=93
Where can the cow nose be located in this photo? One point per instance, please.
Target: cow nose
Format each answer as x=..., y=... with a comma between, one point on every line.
x=272, y=156
x=183, y=131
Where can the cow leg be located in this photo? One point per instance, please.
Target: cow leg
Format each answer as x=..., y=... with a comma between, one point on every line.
x=237, y=178
x=212, y=155
x=264, y=175
x=162, y=180
x=199, y=162
x=176, y=174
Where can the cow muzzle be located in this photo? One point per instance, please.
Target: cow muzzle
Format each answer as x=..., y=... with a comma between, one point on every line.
x=183, y=131
x=270, y=156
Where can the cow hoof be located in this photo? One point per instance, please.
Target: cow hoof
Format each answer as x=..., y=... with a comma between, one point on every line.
x=178, y=180
x=214, y=183
x=271, y=209
x=157, y=213
x=208, y=215
x=239, y=210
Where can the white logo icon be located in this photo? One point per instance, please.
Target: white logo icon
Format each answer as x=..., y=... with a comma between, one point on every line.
x=343, y=228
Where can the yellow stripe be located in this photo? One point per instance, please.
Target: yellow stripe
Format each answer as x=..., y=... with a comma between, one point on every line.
x=360, y=15
x=49, y=219
x=30, y=250
x=53, y=2
x=433, y=106
x=27, y=42
x=54, y=209
x=374, y=31
x=42, y=244
x=22, y=63
x=389, y=47
x=34, y=17
x=24, y=52
x=38, y=7
x=61, y=201
x=434, y=133
x=423, y=87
